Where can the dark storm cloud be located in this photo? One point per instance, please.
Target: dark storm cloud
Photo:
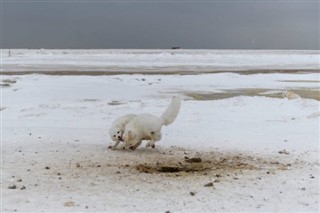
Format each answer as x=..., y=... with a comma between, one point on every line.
x=160, y=24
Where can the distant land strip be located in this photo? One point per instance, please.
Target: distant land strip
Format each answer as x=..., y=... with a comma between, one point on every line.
x=148, y=72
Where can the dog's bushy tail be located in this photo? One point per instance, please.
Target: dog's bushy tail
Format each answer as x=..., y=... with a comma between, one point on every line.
x=172, y=111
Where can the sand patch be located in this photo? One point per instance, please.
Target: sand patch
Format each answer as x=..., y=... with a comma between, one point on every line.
x=8, y=82
x=85, y=162
x=91, y=100
x=115, y=103
x=66, y=174
x=301, y=81
x=224, y=94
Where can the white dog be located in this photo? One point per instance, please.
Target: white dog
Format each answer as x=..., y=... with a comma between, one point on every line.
x=290, y=95
x=117, y=128
x=148, y=127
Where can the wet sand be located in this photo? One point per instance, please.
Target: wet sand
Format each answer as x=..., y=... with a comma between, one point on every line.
x=304, y=93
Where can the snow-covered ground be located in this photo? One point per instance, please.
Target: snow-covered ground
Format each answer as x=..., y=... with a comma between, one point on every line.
x=156, y=61
x=259, y=150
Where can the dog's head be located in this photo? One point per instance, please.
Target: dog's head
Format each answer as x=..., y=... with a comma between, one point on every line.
x=116, y=134
x=129, y=137
x=285, y=93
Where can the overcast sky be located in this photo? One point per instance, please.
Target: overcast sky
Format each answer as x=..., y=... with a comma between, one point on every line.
x=160, y=24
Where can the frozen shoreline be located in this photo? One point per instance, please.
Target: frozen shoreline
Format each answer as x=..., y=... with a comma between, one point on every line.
x=106, y=62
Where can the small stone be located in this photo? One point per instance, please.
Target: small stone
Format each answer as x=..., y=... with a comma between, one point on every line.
x=58, y=173
x=98, y=165
x=193, y=160
x=19, y=180
x=192, y=193
x=12, y=187
x=23, y=188
x=284, y=152
x=169, y=169
x=303, y=189
x=69, y=204
x=47, y=167
x=208, y=184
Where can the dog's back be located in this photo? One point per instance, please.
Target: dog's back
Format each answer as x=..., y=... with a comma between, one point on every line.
x=290, y=95
x=148, y=126
x=145, y=124
x=123, y=120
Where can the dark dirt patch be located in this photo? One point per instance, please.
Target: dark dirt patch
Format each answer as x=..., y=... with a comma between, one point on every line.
x=9, y=81
x=192, y=160
x=201, y=165
x=208, y=184
x=5, y=85
x=115, y=103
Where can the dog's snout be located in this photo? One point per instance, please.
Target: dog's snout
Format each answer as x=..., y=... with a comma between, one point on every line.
x=119, y=137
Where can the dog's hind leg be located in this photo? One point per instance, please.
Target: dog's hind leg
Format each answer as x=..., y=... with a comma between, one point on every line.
x=151, y=144
x=155, y=136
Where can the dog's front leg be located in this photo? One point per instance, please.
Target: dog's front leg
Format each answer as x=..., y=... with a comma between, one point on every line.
x=136, y=145
x=127, y=145
x=114, y=146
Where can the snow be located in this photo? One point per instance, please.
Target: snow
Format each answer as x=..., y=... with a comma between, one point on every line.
x=262, y=151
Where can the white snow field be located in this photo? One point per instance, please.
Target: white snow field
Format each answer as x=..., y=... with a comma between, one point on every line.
x=236, y=145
